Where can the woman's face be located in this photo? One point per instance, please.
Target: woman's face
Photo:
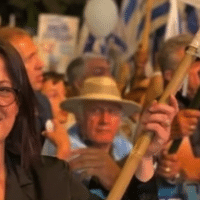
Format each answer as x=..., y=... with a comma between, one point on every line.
x=7, y=113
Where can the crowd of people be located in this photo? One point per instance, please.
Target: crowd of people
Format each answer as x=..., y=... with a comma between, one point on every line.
x=67, y=140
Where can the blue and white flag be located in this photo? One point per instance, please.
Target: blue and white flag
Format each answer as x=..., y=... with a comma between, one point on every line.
x=173, y=27
x=194, y=3
x=189, y=11
x=192, y=19
x=90, y=43
x=130, y=18
x=128, y=32
x=133, y=20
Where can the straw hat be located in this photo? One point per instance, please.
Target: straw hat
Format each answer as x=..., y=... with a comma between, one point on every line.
x=100, y=88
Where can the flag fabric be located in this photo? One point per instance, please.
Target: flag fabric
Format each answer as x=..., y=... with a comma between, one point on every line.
x=90, y=43
x=189, y=11
x=192, y=19
x=173, y=26
x=167, y=20
x=194, y=3
x=127, y=34
x=130, y=17
x=133, y=20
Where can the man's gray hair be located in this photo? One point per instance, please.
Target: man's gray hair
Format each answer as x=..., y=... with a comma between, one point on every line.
x=91, y=55
x=75, y=70
x=167, y=55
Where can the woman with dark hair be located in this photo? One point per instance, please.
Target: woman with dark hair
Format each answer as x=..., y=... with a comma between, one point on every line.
x=22, y=93
x=25, y=175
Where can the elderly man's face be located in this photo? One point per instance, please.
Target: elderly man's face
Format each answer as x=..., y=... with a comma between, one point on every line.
x=101, y=121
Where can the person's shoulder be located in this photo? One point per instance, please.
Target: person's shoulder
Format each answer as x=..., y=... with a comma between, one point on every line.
x=41, y=97
x=50, y=171
x=121, y=147
x=120, y=140
x=75, y=139
x=57, y=182
x=44, y=106
x=50, y=167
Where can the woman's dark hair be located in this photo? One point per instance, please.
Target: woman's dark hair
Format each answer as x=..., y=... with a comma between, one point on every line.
x=23, y=138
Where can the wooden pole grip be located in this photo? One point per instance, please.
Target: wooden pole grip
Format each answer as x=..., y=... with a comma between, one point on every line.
x=147, y=26
x=130, y=166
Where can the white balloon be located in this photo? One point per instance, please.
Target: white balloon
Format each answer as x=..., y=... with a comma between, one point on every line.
x=101, y=16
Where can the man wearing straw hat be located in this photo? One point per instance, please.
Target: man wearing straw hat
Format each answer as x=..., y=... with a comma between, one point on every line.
x=99, y=146
x=82, y=67
x=93, y=64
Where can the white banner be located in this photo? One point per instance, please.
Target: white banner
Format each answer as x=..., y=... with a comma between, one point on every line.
x=57, y=39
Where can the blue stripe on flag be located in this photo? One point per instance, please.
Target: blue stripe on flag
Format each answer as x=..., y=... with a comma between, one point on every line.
x=192, y=21
x=157, y=39
x=129, y=10
x=160, y=10
x=104, y=50
x=90, y=43
x=117, y=41
x=157, y=12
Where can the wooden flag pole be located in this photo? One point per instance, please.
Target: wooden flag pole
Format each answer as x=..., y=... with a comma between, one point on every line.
x=141, y=56
x=142, y=53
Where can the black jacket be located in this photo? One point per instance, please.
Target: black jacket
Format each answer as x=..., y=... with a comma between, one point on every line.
x=52, y=180
x=48, y=180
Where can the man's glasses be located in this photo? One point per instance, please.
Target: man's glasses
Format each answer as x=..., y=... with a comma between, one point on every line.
x=8, y=95
x=111, y=111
